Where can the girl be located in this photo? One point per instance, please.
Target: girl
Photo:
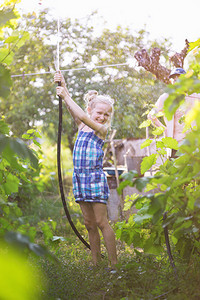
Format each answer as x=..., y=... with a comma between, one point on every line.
x=90, y=186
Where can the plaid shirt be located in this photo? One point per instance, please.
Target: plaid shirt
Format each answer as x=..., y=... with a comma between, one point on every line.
x=89, y=180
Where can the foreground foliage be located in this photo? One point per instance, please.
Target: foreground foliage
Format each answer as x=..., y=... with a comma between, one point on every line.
x=172, y=199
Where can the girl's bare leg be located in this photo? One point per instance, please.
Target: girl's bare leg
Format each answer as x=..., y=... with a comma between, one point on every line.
x=100, y=212
x=91, y=225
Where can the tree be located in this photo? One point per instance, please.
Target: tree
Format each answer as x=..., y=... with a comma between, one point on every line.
x=33, y=97
x=19, y=166
x=151, y=62
x=15, y=156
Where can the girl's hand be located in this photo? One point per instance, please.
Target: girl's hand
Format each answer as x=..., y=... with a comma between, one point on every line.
x=62, y=92
x=58, y=77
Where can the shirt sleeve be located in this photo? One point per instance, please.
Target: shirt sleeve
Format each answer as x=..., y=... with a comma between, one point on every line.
x=158, y=105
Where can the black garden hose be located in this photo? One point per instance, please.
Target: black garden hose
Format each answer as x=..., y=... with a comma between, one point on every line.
x=60, y=176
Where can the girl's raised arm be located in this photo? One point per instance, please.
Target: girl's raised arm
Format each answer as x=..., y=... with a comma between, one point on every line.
x=78, y=114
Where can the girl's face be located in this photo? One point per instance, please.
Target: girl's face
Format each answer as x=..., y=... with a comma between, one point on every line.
x=100, y=113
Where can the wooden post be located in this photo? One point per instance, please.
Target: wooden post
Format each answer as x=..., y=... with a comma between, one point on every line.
x=116, y=173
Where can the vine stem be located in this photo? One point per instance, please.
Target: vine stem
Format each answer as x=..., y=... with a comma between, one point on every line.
x=168, y=246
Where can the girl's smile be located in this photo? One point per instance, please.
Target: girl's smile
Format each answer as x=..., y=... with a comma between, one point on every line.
x=100, y=113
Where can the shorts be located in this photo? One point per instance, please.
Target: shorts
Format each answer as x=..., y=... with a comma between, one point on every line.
x=90, y=186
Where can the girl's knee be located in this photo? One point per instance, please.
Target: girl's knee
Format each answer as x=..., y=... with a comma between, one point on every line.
x=102, y=223
x=90, y=225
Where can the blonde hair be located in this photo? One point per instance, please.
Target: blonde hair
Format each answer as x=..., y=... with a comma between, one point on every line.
x=92, y=97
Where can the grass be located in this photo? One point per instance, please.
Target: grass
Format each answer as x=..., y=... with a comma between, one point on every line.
x=138, y=276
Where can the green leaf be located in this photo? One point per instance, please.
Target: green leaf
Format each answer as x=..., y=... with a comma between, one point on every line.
x=3, y=142
x=17, y=146
x=184, y=246
x=129, y=175
x=20, y=148
x=6, y=14
x=159, y=144
x=36, y=143
x=160, y=114
x=23, y=37
x=182, y=160
x=157, y=207
x=11, y=39
x=53, y=224
x=148, y=162
x=38, y=135
x=151, y=248
x=26, y=136
x=23, y=241
x=4, y=129
x=127, y=205
x=30, y=131
x=58, y=238
x=11, y=185
x=146, y=123
x=124, y=184
x=140, y=218
x=127, y=180
x=130, y=201
x=158, y=131
x=162, y=152
x=146, y=143
x=171, y=143
x=141, y=183
x=193, y=45
x=136, y=240
x=172, y=103
x=6, y=56
x=5, y=81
